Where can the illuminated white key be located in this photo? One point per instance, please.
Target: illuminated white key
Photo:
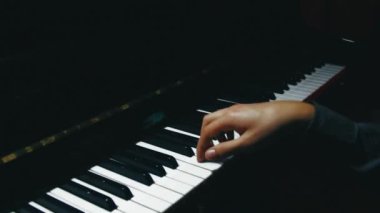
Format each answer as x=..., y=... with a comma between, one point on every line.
x=123, y=205
x=194, y=170
x=143, y=198
x=181, y=132
x=288, y=96
x=191, y=160
x=280, y=97
x=154, y=189
x=183, y=176
x=171, y=184
x=75, y=201
x=39, y=207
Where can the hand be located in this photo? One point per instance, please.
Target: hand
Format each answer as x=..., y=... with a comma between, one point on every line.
x=253, y=122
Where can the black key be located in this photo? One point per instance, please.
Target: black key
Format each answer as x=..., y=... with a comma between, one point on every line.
x=294, y=81
x=28, y=209
x=55, y=205
x=154, y=156
x=280, y=87
x=300, y=76
x=175, y=147
x=221, y=137
x=128, y=171
x=244, y=98
x=249, y=93
x=132, y=160
x=176, y=137
x=90, y=195
x=193, y=118
x=319, y=64
x=295, y=78
x=215, y=105
x=279, y=91
x=107, y=185
x=270, y=95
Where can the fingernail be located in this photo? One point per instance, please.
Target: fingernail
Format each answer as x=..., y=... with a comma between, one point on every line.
x=210, y=154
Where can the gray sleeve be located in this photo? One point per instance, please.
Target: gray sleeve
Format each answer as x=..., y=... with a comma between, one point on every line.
x=332, y=124
x=363, y=137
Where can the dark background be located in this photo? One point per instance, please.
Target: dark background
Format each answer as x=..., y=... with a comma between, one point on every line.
x=66, y=61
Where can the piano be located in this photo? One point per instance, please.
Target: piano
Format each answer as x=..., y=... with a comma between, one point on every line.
x=106, y=103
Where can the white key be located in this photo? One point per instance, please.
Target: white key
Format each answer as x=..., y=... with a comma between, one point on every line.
x=305, y=87
x=326, y=75
x=172, y=184
x=284, y=97
x=181, y=132
x=300, y=97
x=143, y=198
x=292, y=95
x=302, y=86
x=39, y=207
x=311, y=82
x=203, y=111
x=192, y=160
x=227, y=101
x=183, y=176
x=326, y=71
x=315, y=79
x=182, y=166
x=212, y=166
x=300, y=92
x=75, y=201
x=62, y=200
x=194, y=170
x=154, y=189
x=319, y=77
x=279, y=98
x=334, y=66
x=123, y=205
x=293, y=98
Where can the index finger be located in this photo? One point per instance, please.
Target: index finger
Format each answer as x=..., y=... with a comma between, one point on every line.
x=208, y=132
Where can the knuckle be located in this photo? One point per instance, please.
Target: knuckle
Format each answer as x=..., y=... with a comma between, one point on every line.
x=236, y=107
x=206, y=131
x=232, y=111
x=206, y=118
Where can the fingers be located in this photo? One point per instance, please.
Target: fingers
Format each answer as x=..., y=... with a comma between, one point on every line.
x=212, y=116
x=226, y=148
x=214, y=126
x=205, y=140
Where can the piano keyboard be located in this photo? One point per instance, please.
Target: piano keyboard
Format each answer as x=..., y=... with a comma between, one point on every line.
x=156, y=172
x=310, y=84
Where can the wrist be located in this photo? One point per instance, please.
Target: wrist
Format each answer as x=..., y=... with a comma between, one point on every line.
x=305, y=112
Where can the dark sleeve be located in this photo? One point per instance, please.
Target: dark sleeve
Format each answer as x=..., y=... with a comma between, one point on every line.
x=364, y=138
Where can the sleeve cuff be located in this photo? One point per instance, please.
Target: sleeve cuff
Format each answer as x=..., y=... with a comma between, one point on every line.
x=333, y=125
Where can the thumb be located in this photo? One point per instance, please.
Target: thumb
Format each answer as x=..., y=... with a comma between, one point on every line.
x=225, y=148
